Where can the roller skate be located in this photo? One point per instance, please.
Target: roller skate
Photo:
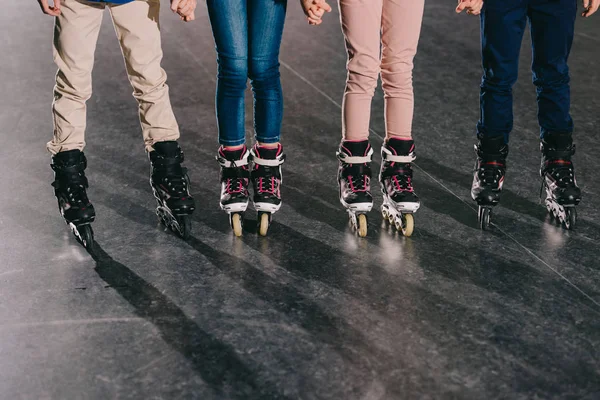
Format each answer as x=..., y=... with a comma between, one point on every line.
x=488, y=177
x=171, y=187
x=354, y=179
x=70, y=186
x=400, y=201
x=235, y=177
x=266, y=181
x=558, y=178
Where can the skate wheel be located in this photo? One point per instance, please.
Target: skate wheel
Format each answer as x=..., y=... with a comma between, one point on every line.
x=362, y=223
x=85, y=236
x=570, y=218
x=384, y=213
x=185, y=226
x=484, y=217
x=408, y=225
x=236, y=224
x=263, y=224
x=398, y=223
x=390, y=218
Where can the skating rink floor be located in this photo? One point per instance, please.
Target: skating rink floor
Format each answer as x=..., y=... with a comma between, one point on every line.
x=312, y=311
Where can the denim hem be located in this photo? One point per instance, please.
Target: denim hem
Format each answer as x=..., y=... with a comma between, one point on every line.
x=236, y=142
x=268, y=140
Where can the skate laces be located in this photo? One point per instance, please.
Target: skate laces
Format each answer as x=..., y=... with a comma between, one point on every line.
x=268, y=183
x=490, y=172
x=267, y=169
x=234, y=169
x=401, y=178
x=561, y=171
x=236, y=185
x=398, y=167
x=356, y=168
x=173, y=180
x=75, y=188
x=359, y=183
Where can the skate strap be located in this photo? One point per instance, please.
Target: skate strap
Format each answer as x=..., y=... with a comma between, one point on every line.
x=388, y=156
x=346, y=159
x=267, y=162
x=225, y=163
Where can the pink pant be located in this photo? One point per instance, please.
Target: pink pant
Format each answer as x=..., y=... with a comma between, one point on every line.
x=381, y=36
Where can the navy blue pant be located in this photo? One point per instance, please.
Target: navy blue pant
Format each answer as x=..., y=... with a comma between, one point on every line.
x=248, y=36
x=503, y=22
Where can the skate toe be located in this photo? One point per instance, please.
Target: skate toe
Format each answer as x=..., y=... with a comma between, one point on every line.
x=183, y=205
x=569, y=196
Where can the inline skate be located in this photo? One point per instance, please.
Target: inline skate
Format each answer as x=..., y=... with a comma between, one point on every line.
x=488, y=178
x=235, y=177
x=171, y=187
x=266, y=181
x=400, y=201
x=354, y=179
x=558, y=178
x=70, y=184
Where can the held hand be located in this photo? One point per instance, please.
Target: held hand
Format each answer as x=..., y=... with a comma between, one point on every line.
x=473, y=7
x=185, y=9
x=190, y=17
x=50, y=10
x=314, y=10
x=591, y=6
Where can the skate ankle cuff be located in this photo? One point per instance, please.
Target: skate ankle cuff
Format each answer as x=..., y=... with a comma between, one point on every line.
x=225, y=163
x=348, y=159
x=276, y=162
x=387, y=155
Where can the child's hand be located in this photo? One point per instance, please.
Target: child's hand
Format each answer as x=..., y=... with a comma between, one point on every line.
x=314, y=10
x=50, y=10
x=591, y=6
x=185, y=9
x=473, y=7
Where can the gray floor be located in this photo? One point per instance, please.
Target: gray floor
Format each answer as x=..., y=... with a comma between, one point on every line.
x=311, y=312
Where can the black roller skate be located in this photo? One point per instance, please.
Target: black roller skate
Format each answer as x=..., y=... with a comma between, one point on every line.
x=354, y=179
x=266, y=181
x=400, y=201
x=70, y=186
x=171, y=187
x=558, y=178
x=235, y=177
x=488, y=177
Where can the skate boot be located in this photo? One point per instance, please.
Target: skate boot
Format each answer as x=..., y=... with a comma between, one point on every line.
x=399, y=198
x=354, y=179
x=70, y=186
x=266, y=181
x=558, y=178
x=488, y=177
x=171, y=187
x=235, y=177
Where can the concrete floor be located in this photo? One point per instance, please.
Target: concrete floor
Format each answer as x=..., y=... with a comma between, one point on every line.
x=312, y=311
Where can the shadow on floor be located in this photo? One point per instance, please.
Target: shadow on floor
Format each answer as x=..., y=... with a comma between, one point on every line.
x=215, y=362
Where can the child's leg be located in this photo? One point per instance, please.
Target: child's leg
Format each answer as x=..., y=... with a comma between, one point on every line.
x=229, y=24
x=137, y=28
x=552, y=29
x=502, y=26
x=361, y=25
x=75, y=35
x=265, y=29
x=401, y=28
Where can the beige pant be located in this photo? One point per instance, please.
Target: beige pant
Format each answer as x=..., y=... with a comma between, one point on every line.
x=75, y=36
x=381, y=36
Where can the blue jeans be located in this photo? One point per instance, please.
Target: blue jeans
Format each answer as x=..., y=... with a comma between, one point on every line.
x=552, y=25
x=248, y=36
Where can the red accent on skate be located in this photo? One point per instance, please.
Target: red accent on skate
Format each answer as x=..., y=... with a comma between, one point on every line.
x=560, y=162
x=494, y=163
